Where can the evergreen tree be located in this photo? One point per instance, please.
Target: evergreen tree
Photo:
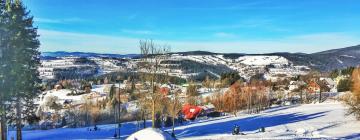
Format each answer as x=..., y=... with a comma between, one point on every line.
x=21, y=62
x=4, y=67
x=229, y=78
x=344, y=85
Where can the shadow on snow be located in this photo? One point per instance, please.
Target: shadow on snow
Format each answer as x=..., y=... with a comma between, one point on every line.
x=246, y=124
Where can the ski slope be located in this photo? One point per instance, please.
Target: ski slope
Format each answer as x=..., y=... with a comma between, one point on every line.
x=325, y=120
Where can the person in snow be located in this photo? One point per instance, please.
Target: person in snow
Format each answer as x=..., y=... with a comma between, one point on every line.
x=236, y=130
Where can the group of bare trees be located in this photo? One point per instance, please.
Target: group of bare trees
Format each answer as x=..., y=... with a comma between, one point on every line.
x=154, y=100
x=252, y=96
x=88, y=113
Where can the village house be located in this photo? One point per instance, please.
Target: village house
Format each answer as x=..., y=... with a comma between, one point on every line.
x=331, y=84
x=313, y=87
x=165, y=89
x=293, y=85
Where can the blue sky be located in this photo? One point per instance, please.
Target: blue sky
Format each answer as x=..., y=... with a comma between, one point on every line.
x=236, y=26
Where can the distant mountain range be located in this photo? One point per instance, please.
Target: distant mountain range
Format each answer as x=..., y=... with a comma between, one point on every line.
x=51, y=55
x=323, y=61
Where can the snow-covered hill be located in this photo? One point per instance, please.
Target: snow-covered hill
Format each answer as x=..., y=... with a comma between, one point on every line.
x=249, y=65
x=263, y=60
x=73, y=67
x=272, y=65
x=326, y=120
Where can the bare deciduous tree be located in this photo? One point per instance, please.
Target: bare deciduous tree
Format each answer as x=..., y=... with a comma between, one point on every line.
x=152, y=55
x=353, y=101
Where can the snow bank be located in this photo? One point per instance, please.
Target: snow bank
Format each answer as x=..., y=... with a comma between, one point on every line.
x=150, y=134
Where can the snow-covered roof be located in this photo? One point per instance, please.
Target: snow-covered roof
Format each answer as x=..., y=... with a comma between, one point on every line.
x=208, y=106
x=329, y=81
x=165, y=86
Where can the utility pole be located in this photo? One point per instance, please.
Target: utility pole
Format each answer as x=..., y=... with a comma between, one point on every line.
x=174, y=114
x=119, y=103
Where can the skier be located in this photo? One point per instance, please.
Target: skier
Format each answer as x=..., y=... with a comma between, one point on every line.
x=95, y=128
x=236, y=130
x=262, y=129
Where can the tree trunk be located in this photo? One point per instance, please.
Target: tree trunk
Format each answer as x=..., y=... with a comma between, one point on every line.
x=174, y=115
x=144, y=120
x=3, y=129
x=18, y=120
x=115, y=118
x=119, y=109
x=119, y=122
x=173, y=126
x=153, y=113
x=153, y=100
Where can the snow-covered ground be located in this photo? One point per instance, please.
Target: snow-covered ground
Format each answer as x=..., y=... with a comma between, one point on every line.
x=326, y=120
x=263, y=60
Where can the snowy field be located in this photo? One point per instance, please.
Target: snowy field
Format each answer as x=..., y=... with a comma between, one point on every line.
x=326, y=120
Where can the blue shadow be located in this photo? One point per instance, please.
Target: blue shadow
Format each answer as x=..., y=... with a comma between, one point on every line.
x=246, y=124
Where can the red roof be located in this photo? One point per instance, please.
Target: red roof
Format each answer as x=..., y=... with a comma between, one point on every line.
x=191, y=111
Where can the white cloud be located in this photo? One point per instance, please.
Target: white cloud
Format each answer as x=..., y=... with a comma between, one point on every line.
x=66, y=41
x=66, y=20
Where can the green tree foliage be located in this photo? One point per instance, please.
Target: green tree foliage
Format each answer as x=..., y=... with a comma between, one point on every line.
x=257, y=77
x=4, y=69
x=139, y=76
x=347, y=71
x=230, y=78
x=20, y=60
x=333, y=74
x=344, y=85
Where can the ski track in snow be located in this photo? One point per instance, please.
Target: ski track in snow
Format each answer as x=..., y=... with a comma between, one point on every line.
x=348, y=56
x=341, y=62
x=324, y=120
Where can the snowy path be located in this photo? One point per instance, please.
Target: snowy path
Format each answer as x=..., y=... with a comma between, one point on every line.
x=324, y=120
